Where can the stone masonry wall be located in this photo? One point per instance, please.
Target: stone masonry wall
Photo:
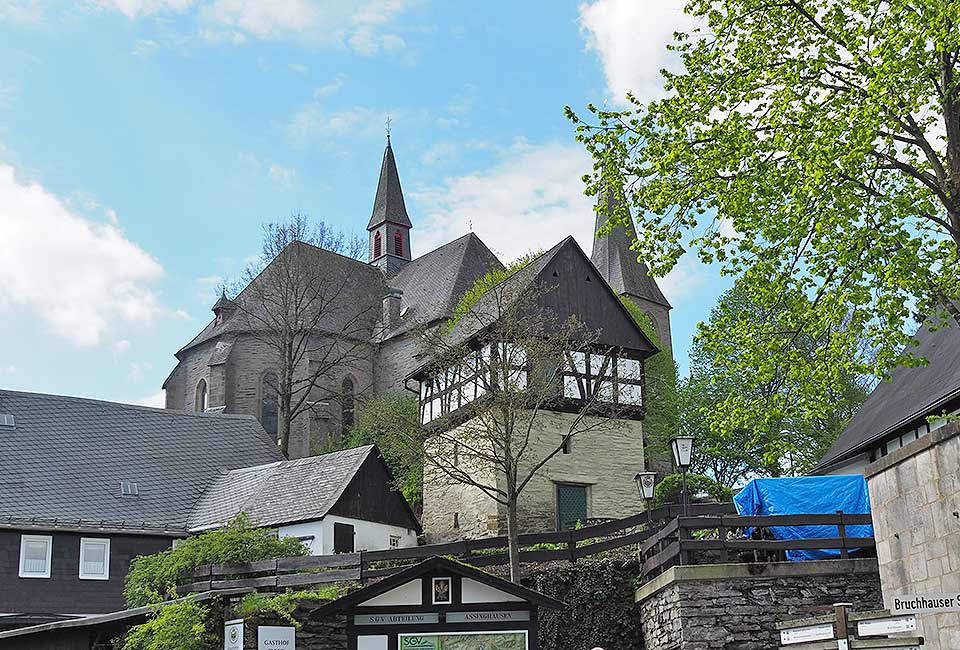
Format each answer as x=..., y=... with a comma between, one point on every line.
x=737, y=606
x=915, y=499
x=315, y=632
x=604, y=457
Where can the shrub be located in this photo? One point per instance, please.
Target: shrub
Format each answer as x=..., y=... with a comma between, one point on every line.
x=153, y=578
x=185, y=625
x=668, y=490
x=282, y=605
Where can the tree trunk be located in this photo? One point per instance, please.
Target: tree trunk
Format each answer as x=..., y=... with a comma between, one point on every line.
x=513, y=534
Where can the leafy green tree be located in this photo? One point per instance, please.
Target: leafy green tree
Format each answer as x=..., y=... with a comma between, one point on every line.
x=723, y=390
x=386, y=421
x=184, y=625
x=812, y=148
x=153, y=578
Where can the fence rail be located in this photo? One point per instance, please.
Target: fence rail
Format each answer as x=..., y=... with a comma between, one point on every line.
x=668, y=541
x=675, y=543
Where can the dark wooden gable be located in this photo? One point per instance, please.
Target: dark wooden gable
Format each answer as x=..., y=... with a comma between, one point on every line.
x=570, y=285
x=371, y=496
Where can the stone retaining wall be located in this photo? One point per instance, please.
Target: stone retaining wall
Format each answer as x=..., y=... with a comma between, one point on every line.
x=737, y=606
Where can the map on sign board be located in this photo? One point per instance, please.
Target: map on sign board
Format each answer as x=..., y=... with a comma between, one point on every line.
x=466, y=641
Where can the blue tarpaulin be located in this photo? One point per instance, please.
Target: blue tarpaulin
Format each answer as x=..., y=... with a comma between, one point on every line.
x=807, y=495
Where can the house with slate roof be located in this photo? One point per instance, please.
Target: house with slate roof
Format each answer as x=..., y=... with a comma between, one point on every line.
x=223, y=369
x=902, y=409
x=87, y=485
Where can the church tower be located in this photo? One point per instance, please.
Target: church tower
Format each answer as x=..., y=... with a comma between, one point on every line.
x=389, y=225
x=628, y=277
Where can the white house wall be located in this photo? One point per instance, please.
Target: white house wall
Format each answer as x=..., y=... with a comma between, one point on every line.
x=368, y=535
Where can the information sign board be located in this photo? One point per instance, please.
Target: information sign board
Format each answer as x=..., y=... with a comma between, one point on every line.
x=275, y=637
x=396, y=619
x=888, y=625
x=233, y=634
x=806, y=633
x=926, y=603
x=486, y=617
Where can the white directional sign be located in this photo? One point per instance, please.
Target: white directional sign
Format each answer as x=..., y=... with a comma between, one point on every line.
x=889, y=625
x=806, y=633
x=926, y=603
x=275, y=637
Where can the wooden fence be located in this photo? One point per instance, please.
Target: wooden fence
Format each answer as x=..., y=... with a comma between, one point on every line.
x=670, y=540
x=677, y=542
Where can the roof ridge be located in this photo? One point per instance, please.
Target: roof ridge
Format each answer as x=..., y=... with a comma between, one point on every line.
x=128, y=405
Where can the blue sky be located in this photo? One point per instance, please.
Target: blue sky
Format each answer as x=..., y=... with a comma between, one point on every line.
x=143, y=142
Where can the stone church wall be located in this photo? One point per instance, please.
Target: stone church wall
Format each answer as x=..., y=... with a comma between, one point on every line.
x=915, y=499
x=605, y=458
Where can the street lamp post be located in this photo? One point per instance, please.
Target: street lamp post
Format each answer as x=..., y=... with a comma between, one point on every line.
x=645, y=484
x=682, y=447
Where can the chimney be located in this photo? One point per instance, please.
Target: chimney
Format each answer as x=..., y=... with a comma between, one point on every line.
x=391, y=307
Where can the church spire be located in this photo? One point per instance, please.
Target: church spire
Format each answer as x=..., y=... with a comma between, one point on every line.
x=389, y=225
x=619, y=267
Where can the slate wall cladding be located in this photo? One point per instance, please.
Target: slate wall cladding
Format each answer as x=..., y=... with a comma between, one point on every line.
x=64, y=592
x=915, y=499
x=604, y=458
x=736, y=607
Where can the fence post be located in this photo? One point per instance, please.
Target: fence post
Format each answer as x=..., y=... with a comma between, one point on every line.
x=361, y=569
x=722, y=534
x=842, y=534
x=682, y=534
x=572, y=545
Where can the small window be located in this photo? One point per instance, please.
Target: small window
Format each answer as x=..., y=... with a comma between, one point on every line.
x=565, y=447
x=35, y=552
x=346, y=407
x=394, y=541
x=571, y=506
x=398, y=244
x=200, y=404
x=129, y=489
x=94, y=559
x=377, y=245
x=7, y=421
x=270, y=403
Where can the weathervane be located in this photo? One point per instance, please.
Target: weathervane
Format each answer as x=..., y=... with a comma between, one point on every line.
x=387, y=126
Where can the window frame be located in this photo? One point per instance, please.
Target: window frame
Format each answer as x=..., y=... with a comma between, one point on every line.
x=48, y=540
x=199, y=407
x=95, y=541
x=262, y=390
x=576, y=370
x=586, y=498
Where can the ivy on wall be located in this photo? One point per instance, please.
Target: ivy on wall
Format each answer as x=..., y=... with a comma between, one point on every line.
x=601, y=611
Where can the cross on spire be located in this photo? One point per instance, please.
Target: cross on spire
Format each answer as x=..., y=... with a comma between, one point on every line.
x=387, y=126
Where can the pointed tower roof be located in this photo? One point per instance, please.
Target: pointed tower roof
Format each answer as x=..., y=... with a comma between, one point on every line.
x=389, y=205
x=618, y=264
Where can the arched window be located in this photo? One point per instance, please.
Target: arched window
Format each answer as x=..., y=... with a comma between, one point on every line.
x=377, y=245
x=200, y=400
x=346, y=406
x=269, y=403
x=398, y=244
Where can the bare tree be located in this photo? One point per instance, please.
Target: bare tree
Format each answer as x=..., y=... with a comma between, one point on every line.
x=487, y=398
x=312, y=306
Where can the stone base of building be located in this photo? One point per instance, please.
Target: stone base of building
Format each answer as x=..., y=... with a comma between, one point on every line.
x=737, y=606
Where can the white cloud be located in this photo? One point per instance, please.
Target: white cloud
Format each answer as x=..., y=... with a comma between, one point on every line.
x=81, y=278
x=21, y=11
x=314, y=122
x=145, y=47
x=361, y=25
x=299, y=68
x=529, y=201
x=138, y=370
x=9, y=93
x=631, y=38
x=331, y=88
x=120, y=347
x=282, y=176
x=8, y=369
x=207, y=286
x=156, y=400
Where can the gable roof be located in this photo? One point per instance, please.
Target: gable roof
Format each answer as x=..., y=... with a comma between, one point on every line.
x=388, y=206
x=909, y=394
x=618, y=264
x=433, y=283
x=292, y=490
x=444, y=565
x=559, y=278
x=63, y=461
x=361, y=283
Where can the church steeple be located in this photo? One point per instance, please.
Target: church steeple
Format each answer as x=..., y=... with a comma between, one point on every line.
x=389, y=225
x=625, y=275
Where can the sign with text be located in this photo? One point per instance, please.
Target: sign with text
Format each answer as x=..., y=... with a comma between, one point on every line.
x=274, y=637
x=806, y=633
x=395, y=619
x=233, y=634
x=486, y=617
x=888, y=625
x=926, y=603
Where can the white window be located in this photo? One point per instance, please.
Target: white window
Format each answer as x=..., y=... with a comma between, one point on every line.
x=94, y=559
x=394, y=541
x=35, y=551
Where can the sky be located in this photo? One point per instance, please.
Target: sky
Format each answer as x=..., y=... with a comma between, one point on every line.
x=143, y=143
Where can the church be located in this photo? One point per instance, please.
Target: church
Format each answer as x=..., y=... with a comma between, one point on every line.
x=369, y=344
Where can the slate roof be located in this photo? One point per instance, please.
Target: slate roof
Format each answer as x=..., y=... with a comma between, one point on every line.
x=911, y=393
x=618, y=264
x=433, y=283
x=363, y=283
x=292, y=490
x=388, y=204
x=66, y=456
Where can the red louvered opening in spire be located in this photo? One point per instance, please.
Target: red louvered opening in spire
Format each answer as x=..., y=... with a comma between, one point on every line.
x=377, y=245
x=398, y=244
